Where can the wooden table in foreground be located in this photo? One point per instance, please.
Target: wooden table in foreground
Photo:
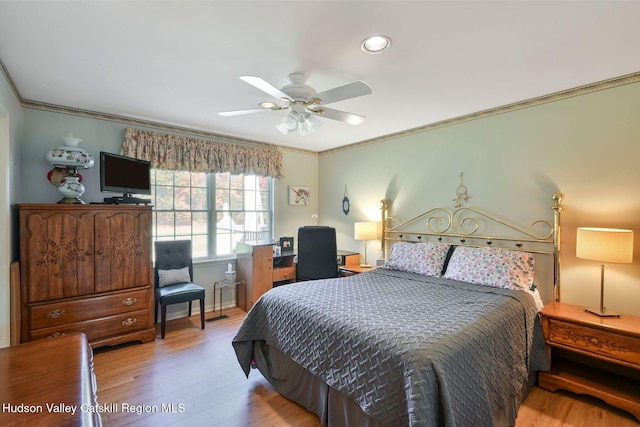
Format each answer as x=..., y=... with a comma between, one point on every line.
x=594, y=355
x=48, y=382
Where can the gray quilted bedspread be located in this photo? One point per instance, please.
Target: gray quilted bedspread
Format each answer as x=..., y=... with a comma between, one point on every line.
x=412, y=350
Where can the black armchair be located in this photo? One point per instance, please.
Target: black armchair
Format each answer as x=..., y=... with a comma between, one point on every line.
x=317, y=253
x=173, y=274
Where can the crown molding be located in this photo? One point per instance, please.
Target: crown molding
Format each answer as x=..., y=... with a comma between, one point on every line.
x=36, y=105
x=153, y=125
x=7, y=77
x=545, y=99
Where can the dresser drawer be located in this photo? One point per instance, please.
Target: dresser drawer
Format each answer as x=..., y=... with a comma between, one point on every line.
x=77, y=310
x=599, y=343
x=284, y=273
x=99, y=328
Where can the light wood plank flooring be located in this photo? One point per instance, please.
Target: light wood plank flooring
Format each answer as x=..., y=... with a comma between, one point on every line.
x=195, y=375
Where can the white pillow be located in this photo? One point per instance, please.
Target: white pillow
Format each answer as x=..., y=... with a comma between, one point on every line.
x=500, y=268
x=171, y=277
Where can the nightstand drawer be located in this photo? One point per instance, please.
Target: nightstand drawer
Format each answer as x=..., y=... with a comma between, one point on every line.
x=284, y=273
x=594, y=341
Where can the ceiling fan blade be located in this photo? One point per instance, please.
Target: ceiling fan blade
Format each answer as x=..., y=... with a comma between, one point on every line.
x=343, y=116
x=240, y=112
x=351, y=90
x=264, y=86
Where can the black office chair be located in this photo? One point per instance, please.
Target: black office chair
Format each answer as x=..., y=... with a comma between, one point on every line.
x=317, y=253
x=173, y=274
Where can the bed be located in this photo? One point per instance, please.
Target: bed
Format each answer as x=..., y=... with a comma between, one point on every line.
x=422, y=341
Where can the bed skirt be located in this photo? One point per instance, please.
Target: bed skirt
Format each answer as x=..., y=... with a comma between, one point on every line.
x=334, y=408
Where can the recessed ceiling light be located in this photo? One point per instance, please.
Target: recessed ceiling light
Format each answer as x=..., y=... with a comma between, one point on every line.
x=375, y=44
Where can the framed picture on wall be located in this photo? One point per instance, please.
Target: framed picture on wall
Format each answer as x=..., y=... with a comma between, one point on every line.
x=299, y=195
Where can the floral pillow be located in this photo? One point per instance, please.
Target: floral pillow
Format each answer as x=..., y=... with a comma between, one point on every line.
x=424, y=258
x=500, y=268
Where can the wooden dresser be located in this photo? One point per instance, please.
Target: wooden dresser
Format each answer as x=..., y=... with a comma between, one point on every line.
x=594, y=355
x=49, y=383
x=258, y=269
x=86, y=268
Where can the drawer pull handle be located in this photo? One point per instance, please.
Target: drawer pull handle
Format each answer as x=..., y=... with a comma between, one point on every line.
x=594, y=341
x=54, y=314
x=129, y=322
x=129, y=301
x=56, y=334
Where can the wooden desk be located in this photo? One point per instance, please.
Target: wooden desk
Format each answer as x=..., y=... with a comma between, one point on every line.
x=258, y=270
x=42, y=381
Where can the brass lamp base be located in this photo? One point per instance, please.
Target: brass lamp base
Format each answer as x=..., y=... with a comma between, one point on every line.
x=602, y=313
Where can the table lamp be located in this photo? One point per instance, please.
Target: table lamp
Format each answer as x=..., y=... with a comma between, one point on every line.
x=607, y=245
x=365, y=231
x=69, y=158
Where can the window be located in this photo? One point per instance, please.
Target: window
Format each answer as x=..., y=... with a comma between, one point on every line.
x=214, y=211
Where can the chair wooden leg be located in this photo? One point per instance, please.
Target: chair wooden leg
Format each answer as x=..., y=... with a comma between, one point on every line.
x=163, y=324
x=202, y=312
x=189, y=308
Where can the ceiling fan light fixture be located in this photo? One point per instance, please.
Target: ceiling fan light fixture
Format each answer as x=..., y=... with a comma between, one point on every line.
x=282, y=128
x=305, y=129
x=375, y=44
x=290, y=121
x=308, y=124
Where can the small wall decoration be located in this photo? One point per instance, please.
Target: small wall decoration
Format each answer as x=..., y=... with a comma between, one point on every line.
x=299, y=195
x=462, y=196
x=346, y=204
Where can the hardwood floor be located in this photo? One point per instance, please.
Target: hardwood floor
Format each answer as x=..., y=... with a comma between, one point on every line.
x=191, y=378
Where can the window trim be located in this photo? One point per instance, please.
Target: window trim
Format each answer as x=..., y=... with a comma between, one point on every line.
x=212, y=212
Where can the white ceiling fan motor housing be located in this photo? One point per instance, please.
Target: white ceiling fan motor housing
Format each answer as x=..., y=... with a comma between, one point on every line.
x=298, y=90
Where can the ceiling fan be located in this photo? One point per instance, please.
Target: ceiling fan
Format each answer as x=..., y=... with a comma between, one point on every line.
x=305, y=103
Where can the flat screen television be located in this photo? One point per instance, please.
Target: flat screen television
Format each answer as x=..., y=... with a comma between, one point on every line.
x=126, y=175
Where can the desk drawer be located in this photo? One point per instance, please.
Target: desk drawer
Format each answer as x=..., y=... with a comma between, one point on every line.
x=284, y=273
x=599, y=343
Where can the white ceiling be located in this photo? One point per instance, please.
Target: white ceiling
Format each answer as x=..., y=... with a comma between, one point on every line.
x=178, y=62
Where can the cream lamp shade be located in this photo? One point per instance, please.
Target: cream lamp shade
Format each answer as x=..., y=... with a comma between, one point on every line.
x=364, y=231
x=607, y=245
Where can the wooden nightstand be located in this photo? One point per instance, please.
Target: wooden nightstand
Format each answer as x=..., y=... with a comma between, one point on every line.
x=593, y=355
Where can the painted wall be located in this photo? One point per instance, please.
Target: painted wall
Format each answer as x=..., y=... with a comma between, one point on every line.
x=587, y=147
x=11, y=126
x=43, y=132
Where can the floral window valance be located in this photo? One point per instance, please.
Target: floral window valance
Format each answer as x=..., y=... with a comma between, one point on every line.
x=195, y=155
